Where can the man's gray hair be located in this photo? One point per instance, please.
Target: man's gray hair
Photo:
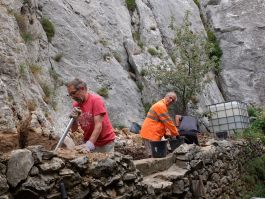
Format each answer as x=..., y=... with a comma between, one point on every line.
x=77, y=83
x=170, y=94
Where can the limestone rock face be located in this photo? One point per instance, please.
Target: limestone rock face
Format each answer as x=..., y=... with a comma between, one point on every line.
x=240, y=28
x=108, y=46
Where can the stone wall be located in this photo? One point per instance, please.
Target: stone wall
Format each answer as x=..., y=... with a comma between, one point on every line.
x=213, y=171
x=190, y=172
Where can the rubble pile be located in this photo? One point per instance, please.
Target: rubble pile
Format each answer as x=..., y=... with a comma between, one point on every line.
x=128, y=143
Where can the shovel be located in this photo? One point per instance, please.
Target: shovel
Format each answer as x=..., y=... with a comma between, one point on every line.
x=64, y=134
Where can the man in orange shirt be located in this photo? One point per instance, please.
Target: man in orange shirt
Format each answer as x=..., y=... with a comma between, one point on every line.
x=158, y=122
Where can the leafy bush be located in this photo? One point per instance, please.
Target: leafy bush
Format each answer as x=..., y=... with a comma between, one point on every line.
x=215, y=51
x=255, y=178
x=22, y=69
x=117, y=56
x=147, y=107
x=256, y=130
x=143, y=72
x=131, y=5
x=48, y=28
x=137, y=38
x=54, y=74
x=27, y=37
x=153, y=51
x=104, y=92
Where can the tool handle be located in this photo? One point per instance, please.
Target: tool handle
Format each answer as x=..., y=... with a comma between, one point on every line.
x=64, y=134
x=63, y=191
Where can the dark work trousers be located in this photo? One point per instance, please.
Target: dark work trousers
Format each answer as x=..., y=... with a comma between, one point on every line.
x=190, y=137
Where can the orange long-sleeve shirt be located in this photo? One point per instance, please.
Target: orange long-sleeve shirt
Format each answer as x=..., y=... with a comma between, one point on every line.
x=157, y=121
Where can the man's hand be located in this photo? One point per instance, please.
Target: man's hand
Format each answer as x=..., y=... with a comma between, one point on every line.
x=89, y=146
x=76, y=112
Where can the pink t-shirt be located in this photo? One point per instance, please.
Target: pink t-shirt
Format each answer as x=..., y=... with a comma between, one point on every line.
x=94, y=106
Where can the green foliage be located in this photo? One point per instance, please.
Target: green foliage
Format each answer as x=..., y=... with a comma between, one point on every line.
x=48, y=28
x=103, y=91
x=117, y=56
x=49, y=94
x=54, y=74
x=131, y=5
x=256, y=130
x=197, y=2
x=153, y=51
x=147, y=107
x=58, y=57
x=192, y=63
x=104, y=42
x=27, y=37
x=143, y=72
x=137, y=38
x=35, y=69
x=215, y=51
x=255, y=178
x=22, y=69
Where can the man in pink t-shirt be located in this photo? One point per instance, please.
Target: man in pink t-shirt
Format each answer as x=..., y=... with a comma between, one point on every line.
x=90, y=113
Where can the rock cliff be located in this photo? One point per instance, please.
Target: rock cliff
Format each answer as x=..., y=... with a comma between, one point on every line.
x=106, y=43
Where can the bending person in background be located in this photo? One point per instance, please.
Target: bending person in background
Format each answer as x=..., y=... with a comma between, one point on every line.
x=158, y=122
x=189, y=127
x=90, y=113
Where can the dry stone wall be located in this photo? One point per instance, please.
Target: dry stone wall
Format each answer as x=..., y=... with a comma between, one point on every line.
x=189, y=172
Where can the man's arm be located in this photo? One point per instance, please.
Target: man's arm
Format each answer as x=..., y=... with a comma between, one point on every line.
x=98, y=127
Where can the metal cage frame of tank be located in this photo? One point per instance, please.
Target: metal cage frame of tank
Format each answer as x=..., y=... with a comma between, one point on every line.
x=232, y=116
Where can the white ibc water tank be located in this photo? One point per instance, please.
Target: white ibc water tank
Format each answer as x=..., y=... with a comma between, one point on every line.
x=228, y=116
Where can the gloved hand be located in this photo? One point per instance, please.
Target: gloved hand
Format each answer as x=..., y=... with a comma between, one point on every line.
x=89, y=146
x=76, y=112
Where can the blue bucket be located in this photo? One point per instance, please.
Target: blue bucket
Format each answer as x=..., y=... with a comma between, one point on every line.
x=159, y=148
x=135, y=128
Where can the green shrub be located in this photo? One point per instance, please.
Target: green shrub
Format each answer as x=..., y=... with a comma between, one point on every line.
x=117, y=56
x=143, y=72
x=54, y=74
x=137, y=38
x=197, y=2
x=22, y=69
x=104, y=42
x=153, y=51
x=27, y=37
x=35, y=69
x=104, y=92
x=215, y=51
x=147, y=107
x=48, y=28
x=131, y=5
x=255, y=178
x=58, y=57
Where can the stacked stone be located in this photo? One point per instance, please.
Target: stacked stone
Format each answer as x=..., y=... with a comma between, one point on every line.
x=214, y=171
x=37, y=173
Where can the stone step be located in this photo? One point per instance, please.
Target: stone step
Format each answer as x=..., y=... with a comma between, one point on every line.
x=154, y=165
x=163, y=181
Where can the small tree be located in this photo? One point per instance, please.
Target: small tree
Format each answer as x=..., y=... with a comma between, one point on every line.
x=191, y=63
